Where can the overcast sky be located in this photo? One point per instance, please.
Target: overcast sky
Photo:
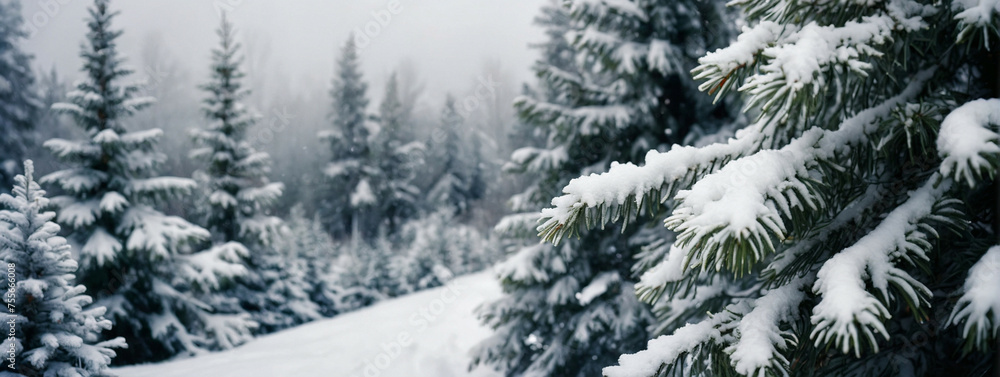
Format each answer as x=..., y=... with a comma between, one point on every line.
x=448, y=40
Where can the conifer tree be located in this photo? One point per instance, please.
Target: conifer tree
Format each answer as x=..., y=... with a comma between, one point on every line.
x=308, y=242
x=236, y=196
x=235, y=178
x=58, y=332
x=457, y=163
x=856, y=209
x=614, y=84
x=350, y=193
x=135, y=260
x=19, y=105
x=397, y=161
x=437, y=248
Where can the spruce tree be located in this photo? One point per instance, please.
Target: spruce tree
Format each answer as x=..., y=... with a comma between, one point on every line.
x=308, y=242
x=397, y=161
x=614, y=84
x=350, y=195
x=237, y=189
x=57, y=333
x=856, y=209
x=236, y=196
x=135, y=260
x=19, y=105
x=437, y=248
x=456, y=163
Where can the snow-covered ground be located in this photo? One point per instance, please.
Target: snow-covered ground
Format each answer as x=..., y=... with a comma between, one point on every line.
x=426, y=334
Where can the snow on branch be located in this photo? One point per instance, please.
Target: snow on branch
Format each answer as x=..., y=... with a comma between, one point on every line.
x=264, y=194
x=540, y=159
x=792, y=61
x=847, y=313
x=101, y=247
x=68, y=108
x=78, y=214
x=761, y=340
x=966, y=143
x=667, y=350
x=265, y=228
x=157, y=233
x=527, y=264
x=979, y=306
x=518, y=223
x=206, y=269
x=726, y=212
x=138, y=103
x=72, y=149
x=76, y=179
x=795, y=66
x=628, y=184
x=977, y=14
x=603, y=8
x=144, y=138
x=669, y=270
x=591, y=117
x=719, y=66
x=161, y=187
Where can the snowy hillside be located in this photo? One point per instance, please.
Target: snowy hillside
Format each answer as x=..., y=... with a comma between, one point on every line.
x=436, y=328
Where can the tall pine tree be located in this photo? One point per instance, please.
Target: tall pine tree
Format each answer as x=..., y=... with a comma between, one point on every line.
x=135, y=260
x=614, y=84
x=238, y=192
x=397, y=160
x=19, y=105
x=456, y=162
x=57, y=333
x=350, y=195
x=857, y=209
x=236, y=195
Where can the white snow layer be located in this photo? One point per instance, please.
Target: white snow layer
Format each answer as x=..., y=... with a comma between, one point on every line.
x=760, y=337
x=847, y=310
x=426, y=334
x=965, y=139
x=979, y=306
x=362, y=195
x=976, y=12
x=669, y=270
x=666, y=349
x=598, y=286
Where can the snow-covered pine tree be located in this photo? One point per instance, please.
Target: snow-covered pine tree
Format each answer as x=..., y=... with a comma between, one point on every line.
x=397, y=161
x=236, y=196
x=56, y=335
x=310, y=243
x=350, y=193
x=438, y=248
x=362, y=273
x=857, y=207
x=238, y=192
x=19, y=105
x=135, y=260
x=456, y=163
x=284, y=300
x=614, y=83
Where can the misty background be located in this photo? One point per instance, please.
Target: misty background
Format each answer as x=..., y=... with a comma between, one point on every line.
x=439, y=48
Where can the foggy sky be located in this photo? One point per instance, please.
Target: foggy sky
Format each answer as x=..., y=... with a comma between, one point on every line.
x=449, y=41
